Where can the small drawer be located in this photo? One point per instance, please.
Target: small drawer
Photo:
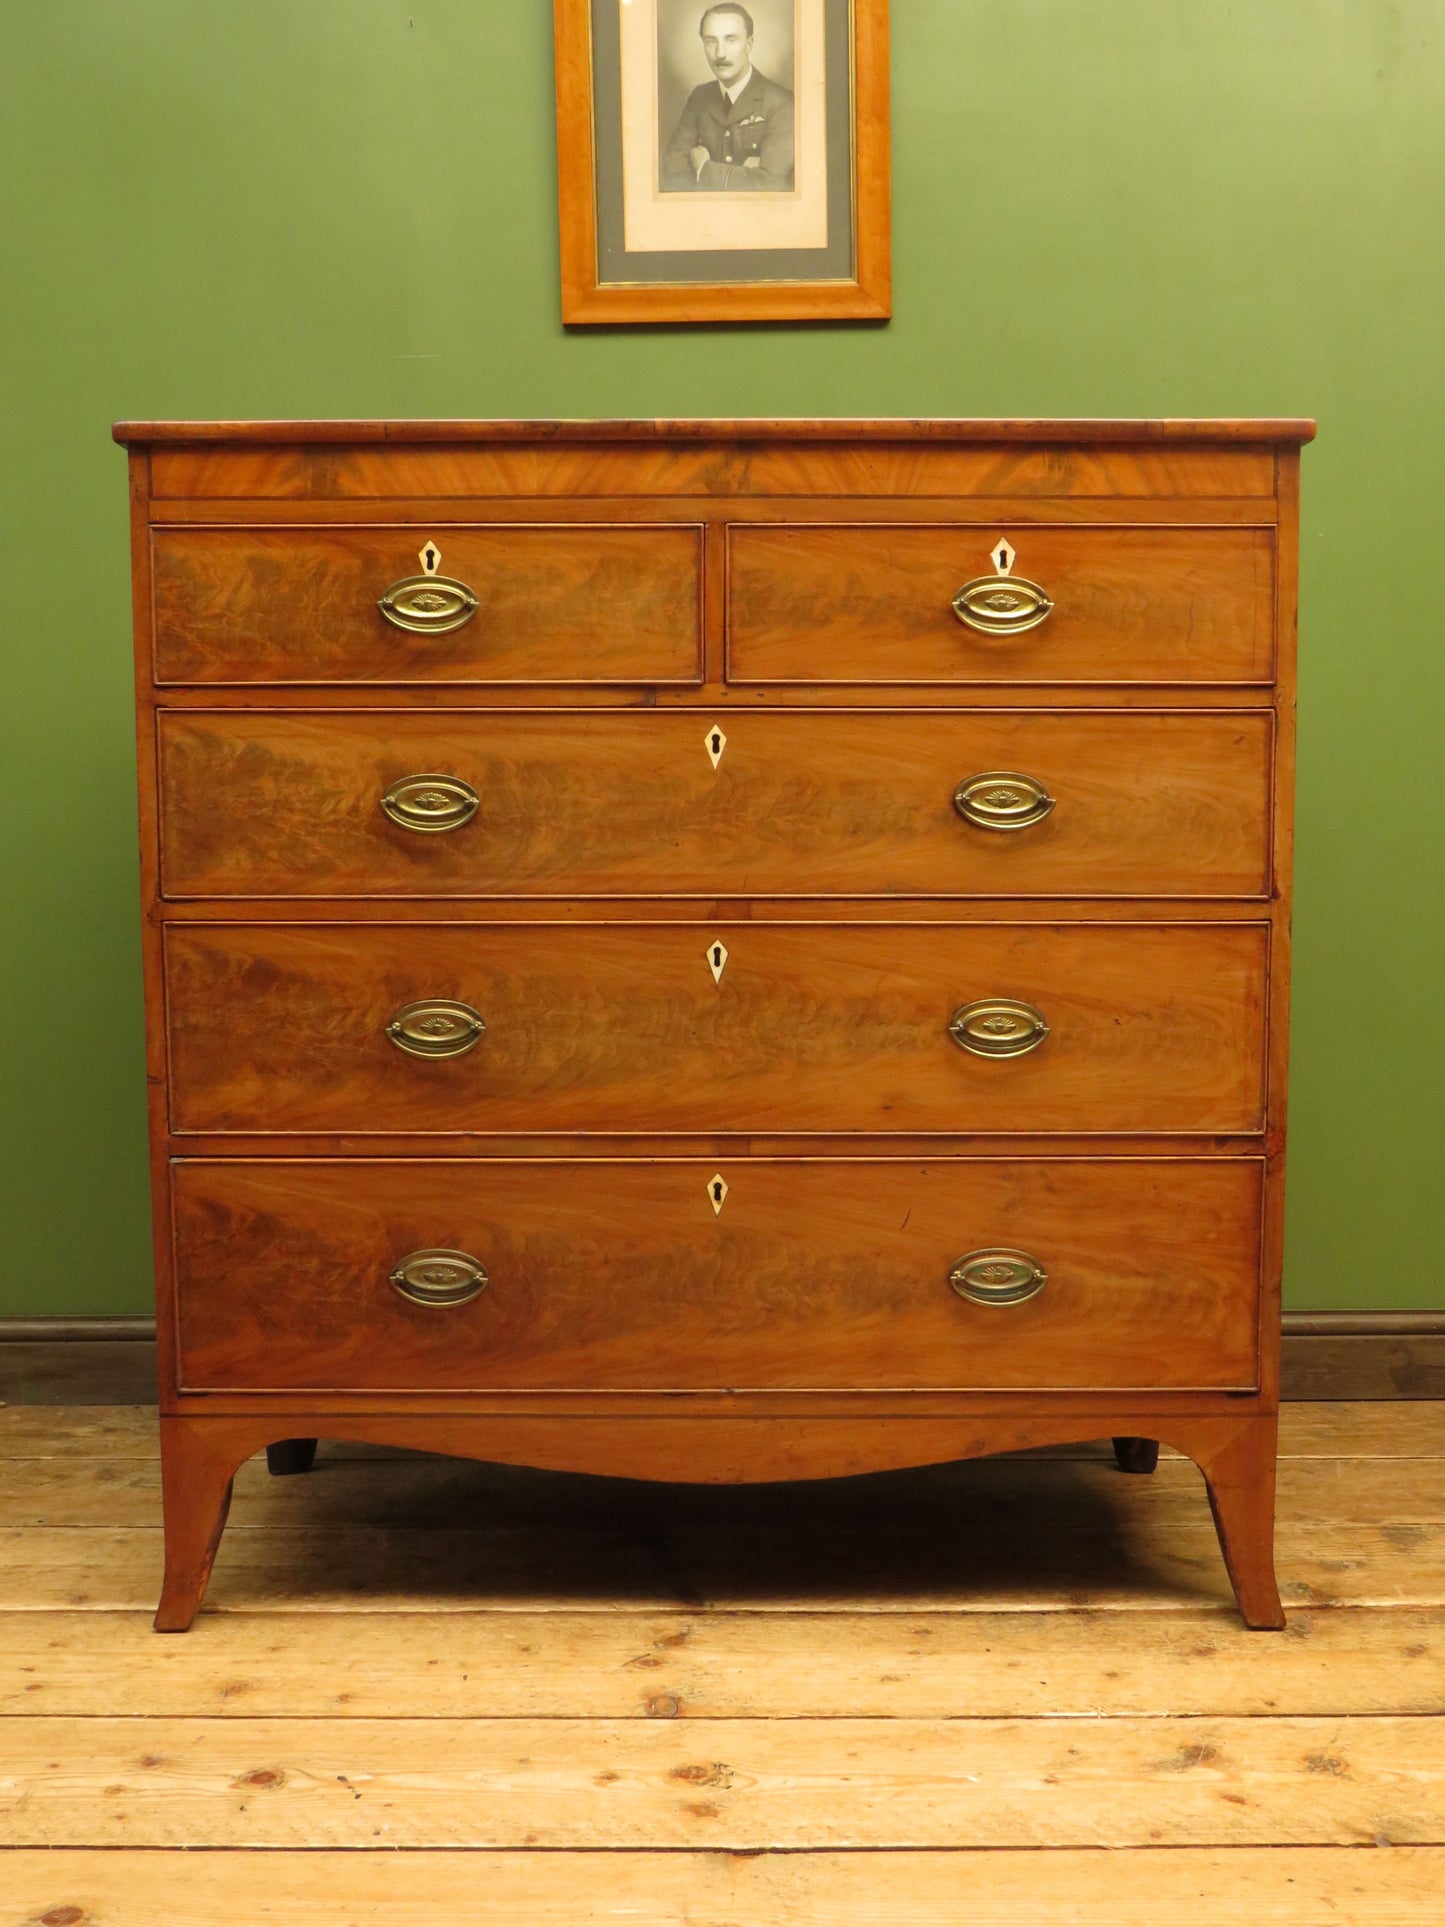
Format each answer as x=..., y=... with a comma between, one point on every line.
x=748, y=1027
x=870, y=604
x=526, y=603
x=671, y=803
x=621, y=1275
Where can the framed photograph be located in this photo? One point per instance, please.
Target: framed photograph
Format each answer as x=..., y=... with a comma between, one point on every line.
x=724, y=162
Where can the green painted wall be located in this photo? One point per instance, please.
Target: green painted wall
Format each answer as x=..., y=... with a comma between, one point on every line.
x=346, y=207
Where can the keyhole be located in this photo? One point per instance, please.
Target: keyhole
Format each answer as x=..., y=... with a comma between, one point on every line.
x=717, y=956
x=717, y=1193
x=716, y=744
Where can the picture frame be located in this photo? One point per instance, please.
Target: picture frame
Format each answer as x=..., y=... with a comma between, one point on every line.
x=723, y=163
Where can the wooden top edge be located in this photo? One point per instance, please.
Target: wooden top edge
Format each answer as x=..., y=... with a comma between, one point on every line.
x=819, y=430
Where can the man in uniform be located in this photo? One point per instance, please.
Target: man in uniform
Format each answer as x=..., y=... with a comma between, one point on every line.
x=736, y=132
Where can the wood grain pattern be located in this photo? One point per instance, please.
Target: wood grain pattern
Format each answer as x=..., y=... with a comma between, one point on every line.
x=197, y=1481
x=1316, y=1431
x=807, y=804
x=620, y=1276
x=772, y=1564
x=1064, y=1487
x=1151, y=431
x=858, y=604
x=1282, y=840
x=728, y=467
x=1234, y=1448
x=560, y=603
x=761, y=1784
x=43, y=1365
x=1069, y=1887
x=818, y=1027
x=712, y=1665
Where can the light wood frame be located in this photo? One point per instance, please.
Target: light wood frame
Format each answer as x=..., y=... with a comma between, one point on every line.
x=585, y=299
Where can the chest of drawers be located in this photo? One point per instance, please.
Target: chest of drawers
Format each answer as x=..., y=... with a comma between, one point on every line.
x=716, y=951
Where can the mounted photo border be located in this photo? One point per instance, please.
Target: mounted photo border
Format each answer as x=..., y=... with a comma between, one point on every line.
x=725, y=163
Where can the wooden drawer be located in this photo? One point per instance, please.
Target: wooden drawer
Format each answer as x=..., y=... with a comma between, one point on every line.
x=563, y=603
x=810, y=1027
x=800, y=804
x=618, y=1275
x=828, y=460
x=866, y=604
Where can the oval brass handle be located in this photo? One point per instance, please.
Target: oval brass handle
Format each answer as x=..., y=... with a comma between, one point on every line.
x=998, y=1027
x=998, y=1276
x=435, y=1027
x=431, y=804
x=428, y=605
x=439, y=1277
x=1002, y=605
x=1001, y=799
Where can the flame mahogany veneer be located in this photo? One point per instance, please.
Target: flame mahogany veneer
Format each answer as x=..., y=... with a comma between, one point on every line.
x=707, y=909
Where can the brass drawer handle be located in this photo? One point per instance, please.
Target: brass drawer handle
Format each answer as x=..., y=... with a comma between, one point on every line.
x=439, y=1277
x=998, y=1277
x=430, y=603
x=431, y=804
x=1001, y=799
x=998, y=1027
x=1002, y=605
x=436, y=1027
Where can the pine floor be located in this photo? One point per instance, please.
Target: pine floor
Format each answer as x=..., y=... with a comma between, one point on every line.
x=1006, y=1694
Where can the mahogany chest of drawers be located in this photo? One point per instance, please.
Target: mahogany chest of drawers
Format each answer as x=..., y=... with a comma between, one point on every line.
x=716, y=950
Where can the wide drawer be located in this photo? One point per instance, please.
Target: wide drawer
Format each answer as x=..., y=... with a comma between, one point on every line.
x=618, y=1275
x=854, y=604
x=749, y=1027
x=802, y=804
x=569, y=603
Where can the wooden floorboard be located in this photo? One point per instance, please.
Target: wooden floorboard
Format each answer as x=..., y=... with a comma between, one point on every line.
x=1014, y=1691
x=740, y=1784
x=718, y=1665
x=1148, y=1567
x=1267, y=1887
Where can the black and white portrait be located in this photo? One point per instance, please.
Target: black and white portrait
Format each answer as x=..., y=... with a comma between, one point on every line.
x=723, y=157
x=725, y=96
x=732, y=122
